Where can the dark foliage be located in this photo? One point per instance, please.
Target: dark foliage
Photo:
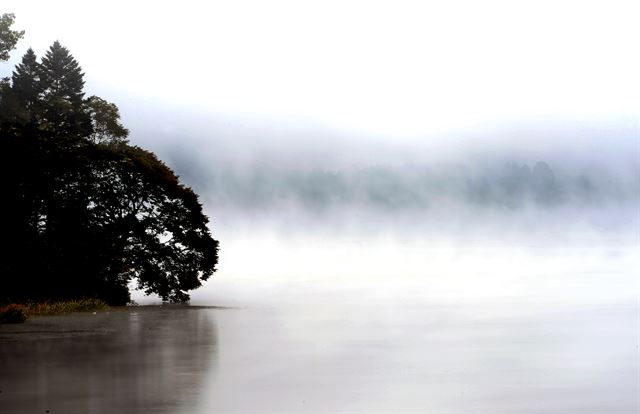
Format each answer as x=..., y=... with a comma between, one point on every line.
x=84, y=212
x=13, y=313
x=8, y=37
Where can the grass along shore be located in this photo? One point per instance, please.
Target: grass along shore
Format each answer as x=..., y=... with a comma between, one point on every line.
x=19, y=313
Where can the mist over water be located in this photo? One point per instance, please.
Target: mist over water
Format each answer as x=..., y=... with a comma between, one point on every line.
x=421, y=207
x=521, y=212
x=480, y=273
x=279, y=174
x=326, y=321
x=486, y=275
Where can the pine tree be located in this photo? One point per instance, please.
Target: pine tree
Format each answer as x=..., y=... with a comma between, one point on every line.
x=63, y=84
x=62, y=75
x=27, y=85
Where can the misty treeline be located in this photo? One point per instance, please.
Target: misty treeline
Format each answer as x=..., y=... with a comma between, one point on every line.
x=508, y=186
x=84, y=212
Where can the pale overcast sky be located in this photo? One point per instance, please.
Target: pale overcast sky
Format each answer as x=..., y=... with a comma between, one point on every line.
x=382, y=67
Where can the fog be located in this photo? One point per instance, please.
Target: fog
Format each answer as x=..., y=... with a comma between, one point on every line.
x=405, y=69
x=421, y=206
x=297, y=177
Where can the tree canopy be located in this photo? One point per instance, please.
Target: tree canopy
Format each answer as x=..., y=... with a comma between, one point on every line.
x=85, y=213
x=8, y=38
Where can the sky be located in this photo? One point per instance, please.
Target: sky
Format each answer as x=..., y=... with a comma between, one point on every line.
x=402, y=70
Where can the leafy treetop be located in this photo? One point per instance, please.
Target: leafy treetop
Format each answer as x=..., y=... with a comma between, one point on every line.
x=8, y=38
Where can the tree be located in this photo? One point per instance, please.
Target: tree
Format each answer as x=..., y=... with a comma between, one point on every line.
x=151, y=228
x=8, y=38
x=63, y=94
x=26, y=79
x=27, y=88
x=86, y=212
x=105, y=122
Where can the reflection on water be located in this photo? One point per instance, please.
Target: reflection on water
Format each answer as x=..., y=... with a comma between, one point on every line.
x=121, y=362
x=357, y=328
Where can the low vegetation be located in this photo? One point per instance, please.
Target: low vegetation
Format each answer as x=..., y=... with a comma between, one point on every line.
x=57, y=308
x=13, y=313
x=16, y=313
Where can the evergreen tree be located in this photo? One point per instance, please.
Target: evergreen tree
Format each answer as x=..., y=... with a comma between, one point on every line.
x=27, y=86
x=62, y=75
x=63, y=84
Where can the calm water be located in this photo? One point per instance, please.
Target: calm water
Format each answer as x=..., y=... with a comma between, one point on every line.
x=353, y=327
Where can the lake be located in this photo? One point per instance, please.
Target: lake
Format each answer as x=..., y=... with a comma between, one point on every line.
x=354, y=325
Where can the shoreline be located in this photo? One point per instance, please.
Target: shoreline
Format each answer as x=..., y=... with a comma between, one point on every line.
x=77, y=324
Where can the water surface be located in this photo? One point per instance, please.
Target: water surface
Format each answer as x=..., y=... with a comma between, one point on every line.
x=354, y=327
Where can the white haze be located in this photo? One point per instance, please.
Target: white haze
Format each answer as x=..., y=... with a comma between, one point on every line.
x=377, y=173
x=410, y=69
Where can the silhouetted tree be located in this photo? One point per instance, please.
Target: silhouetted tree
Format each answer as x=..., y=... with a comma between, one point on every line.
x=85, y=212
x=27, y=85
x=63, y=94
x=149, y=226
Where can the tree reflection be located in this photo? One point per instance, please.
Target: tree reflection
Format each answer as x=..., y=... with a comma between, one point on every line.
x=141, y=360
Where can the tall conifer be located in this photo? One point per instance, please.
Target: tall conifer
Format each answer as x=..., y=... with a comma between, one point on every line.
x=62, y=75
x=27, y=84
x=63, y=83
